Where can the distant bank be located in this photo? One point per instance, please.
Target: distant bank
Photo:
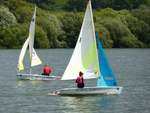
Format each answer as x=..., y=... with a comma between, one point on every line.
x=123, y=25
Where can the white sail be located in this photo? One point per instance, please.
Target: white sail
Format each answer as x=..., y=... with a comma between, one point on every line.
x=22, y=54
x=75, y=64
x=35, y=60
x=84, y=57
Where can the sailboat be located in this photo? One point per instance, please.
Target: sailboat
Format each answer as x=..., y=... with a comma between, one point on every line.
x=34, y=58
x=89, y=57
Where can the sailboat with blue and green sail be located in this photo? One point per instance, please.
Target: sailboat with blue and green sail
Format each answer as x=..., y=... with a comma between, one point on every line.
x=89, y=57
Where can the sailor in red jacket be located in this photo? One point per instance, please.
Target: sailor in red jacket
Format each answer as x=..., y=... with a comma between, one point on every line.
x=47, y=70
x=80, y=80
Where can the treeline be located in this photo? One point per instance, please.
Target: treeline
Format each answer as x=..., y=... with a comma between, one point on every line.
x=79, y=5
x=125, y=23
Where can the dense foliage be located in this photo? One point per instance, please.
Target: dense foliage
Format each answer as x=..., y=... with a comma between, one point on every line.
x=120, y=23
x=98, y=4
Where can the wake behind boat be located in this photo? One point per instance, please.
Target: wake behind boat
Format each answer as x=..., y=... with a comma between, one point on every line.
x=89, y=55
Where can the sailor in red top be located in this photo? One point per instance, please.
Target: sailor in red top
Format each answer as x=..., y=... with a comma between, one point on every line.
x=80, y=80
x=47, y=70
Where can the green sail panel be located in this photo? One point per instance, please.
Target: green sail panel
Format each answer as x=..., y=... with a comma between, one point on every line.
x=88, y=42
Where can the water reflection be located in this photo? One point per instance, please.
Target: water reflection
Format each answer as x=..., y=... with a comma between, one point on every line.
x=32, y=88
x=87, y=104
x=21, y=83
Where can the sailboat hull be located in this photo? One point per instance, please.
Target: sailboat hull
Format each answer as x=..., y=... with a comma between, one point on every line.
x=21, y=76
x=111, y=90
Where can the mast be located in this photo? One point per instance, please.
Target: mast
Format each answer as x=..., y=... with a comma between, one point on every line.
x=31, y=37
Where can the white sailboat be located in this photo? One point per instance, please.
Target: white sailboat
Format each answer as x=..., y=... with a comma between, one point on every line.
x=89, y=57
x=34, y=59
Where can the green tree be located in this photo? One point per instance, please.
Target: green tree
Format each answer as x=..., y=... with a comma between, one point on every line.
x=41, y=40
x=76, y=5
x=142, y=13
x=24, y=14
x=52, y=27
x=130, y=42
x=139, y=28
x=9, y=38
x=71, y=24
x=147, y=2
x=7, y=19
x=45, y=4
x=98, y=4
x=118, y=32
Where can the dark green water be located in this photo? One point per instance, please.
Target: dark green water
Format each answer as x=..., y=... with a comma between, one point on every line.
x=131, y=66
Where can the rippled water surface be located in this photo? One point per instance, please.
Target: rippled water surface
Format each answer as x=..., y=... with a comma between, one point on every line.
x=131, y=66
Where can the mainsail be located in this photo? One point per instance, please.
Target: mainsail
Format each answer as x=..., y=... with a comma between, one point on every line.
x=34, y=59
x=84, y=57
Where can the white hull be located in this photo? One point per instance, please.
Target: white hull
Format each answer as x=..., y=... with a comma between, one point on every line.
x=21, y=76
x=111, y=90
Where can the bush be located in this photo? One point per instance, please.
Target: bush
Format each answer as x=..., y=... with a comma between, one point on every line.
x=9, y=38
x=7, y=19
x=41, y=40
x=71, y=24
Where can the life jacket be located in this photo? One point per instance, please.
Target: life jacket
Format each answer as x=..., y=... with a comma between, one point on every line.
x=47, y=70
x=79, y=80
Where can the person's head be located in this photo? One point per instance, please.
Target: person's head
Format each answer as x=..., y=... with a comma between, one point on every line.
x=80, y=73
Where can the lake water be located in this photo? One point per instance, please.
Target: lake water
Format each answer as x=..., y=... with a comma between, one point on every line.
x=131, y=66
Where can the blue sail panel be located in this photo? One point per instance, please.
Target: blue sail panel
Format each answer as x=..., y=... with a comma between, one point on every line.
x=107, y=77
